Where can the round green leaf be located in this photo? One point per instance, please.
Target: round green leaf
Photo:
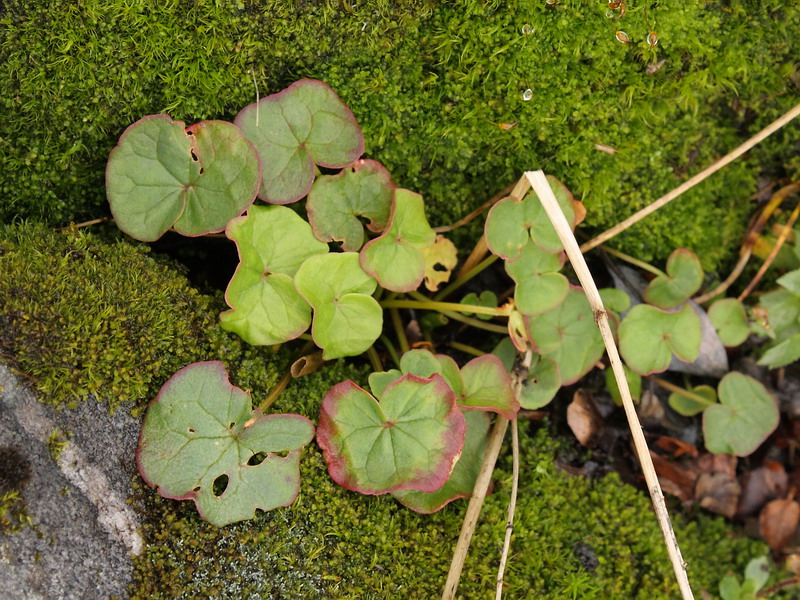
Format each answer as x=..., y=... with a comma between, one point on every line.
x=615, y=300
x=395, y=258
x=542, y=384
x=410, y=440
x=730, y=320
x=688, y=407
x=648, y=337
x=462, y=479
x=196, y=179
x=634, y=385
x=745, y=417
x=303, y=125
x=487, y=387
x=200, y=428
x=539, y=287
x=487, y=299
x=684, y=278
x=568, y=335
x=379, y=380
x=782, y=353
x=511, y=223
x=347, y=319
x=272, y=241
x=424, y=363
x=335, y=203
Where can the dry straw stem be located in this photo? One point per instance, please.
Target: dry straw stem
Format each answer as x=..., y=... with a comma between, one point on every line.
x=474, y=508
x=728, y=158
x=512, y=504
x=542, y=188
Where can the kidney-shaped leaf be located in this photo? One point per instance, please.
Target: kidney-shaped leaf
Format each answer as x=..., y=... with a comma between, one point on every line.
x=539, y=286
x=273, y=241
x=462, y=479
x=196, y=179
x=512, y=223
x=395, y=258
x=746, y=415
x=303, y=125
x=424, y=363
x=410, y=440
x=684, y=277
x=347, y=319
x=542, y=384
x=730, y=320
x=335, y=202
x=568, y=335
x=648, y=337
x=200, y=431
x=487, y=386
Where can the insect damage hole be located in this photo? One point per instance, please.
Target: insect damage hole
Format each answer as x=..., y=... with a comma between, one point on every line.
x=220, y=485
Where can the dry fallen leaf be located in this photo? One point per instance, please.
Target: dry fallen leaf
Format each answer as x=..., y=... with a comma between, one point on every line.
x=718, y=492
x=305, y=365
x=778, y=521
x=583, y=418
x=440, y=260
x=675, y=479
x=676, y=447
x=761, y=485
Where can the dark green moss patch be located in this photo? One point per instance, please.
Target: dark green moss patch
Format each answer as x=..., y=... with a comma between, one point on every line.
x=430, y=83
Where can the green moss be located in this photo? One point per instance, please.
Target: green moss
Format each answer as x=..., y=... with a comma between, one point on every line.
x=15, y=472
x=84, y=316
x=56, y=443
x=429, y=82
x=573, y=538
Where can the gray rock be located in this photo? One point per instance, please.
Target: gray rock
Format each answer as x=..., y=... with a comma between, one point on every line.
x=84, y=532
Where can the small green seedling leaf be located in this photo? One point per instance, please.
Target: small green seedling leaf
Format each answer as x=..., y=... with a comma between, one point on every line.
x=424, y=363
x=347, y=319
x=688, y=407
x=791, y=282
x=544, y=381
x=200, y=431
x=335, y=203
x=487, y=299
x=395, y=258
x=634, y=385
x=487, y=386
x=782, y=353
x=649, y=336
x=462, y=479
x=746, y=415
x=730, y=320
x=482, y=384
x=441, y=258
x=273, y=241
x=303, y=125
x=162, y=174
x=615, y=300
x=539, y=287
x=568, y=335
x=380, y=379
x=410, y=440
x=684, y=278
x=512, y=223
x=783, y=313
x=757, y=571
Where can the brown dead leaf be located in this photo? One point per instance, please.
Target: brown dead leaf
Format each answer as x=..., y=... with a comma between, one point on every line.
x=440, y=260
x=305, y=365
x=717, y=463
x=583, y=418
x=761, y=485
x=778, y=521
x=675, y=479
x=718, y=492
x=676, y=447
x=606, y=149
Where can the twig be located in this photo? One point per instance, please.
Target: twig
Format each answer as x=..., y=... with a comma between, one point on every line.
x=676, y=389
x=474, y=508
x=750, y=240
x=779, y=586
x=542, y=188
x=512, y=506
x=690, y=183
x=772, y=254
x=483, y=207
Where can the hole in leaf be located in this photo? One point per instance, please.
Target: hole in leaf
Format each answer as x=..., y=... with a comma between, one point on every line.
x=257, y=459
x=439, y=267
x=202, y=170
x=191, y=430
x=220, y=485
x=197, y=489
x=194, y=156
x=231, y=424
x=281, y=453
